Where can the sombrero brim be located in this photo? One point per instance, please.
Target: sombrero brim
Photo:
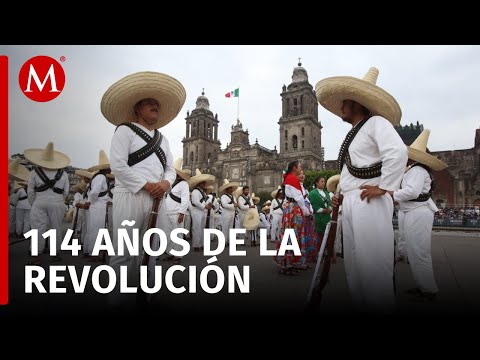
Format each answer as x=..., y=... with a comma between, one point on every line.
x=183, y=174
x=256, y=200
x=99, y=167
x=111, y=176
x=266, y=208
x=83, y=173
x=197, y=179
x=426, y=159
x=60, y=160
x=20, y=173
x=251, y=220
x=233, y=185
x=332, y=183
x=274, y=193
x=118, y=101
x=331, y=93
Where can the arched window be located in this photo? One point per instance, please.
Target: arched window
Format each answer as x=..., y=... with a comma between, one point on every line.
x=209, y=157
x=303, y=131
x=294, y=141
x=303, y=144
x=286, y=134
x=191, y=158
x=196, y=154
x=286, y=146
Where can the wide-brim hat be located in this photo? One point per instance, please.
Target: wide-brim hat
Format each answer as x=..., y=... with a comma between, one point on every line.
x=251, y=219
x=332, y=183
x=237, y=192
x=209, y=189
x=120, y=98
x=199, y=178
x=79, y=187
x=227, y=184
x=17, y=185
x=47, y=158
x=184, y=174
x=255, y=199
x=265, y=208
x=331, y=93
x=17, y=171
x=103, y=162
x=110, y=176
x=267, y=203
x=418, y=152
x=84, y=173
x=274, y=193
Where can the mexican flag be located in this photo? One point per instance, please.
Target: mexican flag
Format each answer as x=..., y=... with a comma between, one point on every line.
x=234, y=93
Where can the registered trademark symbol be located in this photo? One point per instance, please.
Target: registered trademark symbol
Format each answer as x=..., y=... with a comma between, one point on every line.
x=63, y=58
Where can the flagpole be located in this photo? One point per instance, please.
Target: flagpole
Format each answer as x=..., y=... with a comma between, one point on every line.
x=238, y=106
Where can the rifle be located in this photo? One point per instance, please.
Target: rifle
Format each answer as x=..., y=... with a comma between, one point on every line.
x=75, y=220
x=104, y=252
x=152, y=222
x=315, y=293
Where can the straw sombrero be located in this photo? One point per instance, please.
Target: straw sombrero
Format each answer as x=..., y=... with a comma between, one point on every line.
x=238, y=192
x=47, y=158
x=17, y=171
x=274, y=193
x=110, y=176
x=332, y=183
x=227, y=184
x=255, y=199
x=184, y=174
x=418, y=152
x=84, y=173
x=267, y=203
x=79, y=187
x=331, y=93
x=17, y=185
x=199, y=178
x=103, y=162
x=120, y=98
x=251, y=220
x=265, y=208
x=209, y=189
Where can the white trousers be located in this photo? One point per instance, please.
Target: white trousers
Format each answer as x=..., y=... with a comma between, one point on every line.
x=84, y=229
x=368, y=241
x=417, y=230
x=168, y=224
x=401, y=244
x=338, y=237
x=79, y=219
x=227, y=223
x=46, y=215
x=199, y=218
x=11, y=219
x=96, y=221
x=276, y=225
x=136, y=207
x=22, y=219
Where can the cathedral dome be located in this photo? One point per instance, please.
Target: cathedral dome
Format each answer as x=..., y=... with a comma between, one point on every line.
x=202, y=102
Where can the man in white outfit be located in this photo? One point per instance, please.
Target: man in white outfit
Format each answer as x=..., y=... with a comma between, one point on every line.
x=140, y=158
x=16, y=172
x=415, y=200
x=48, y=186
x=210, y=222
x=200, y=206
x=97, y=202
x=229, y=208
x=277, y=211
x=176, y=205
x=244, y=204
x=22, y=210
x=372, y=159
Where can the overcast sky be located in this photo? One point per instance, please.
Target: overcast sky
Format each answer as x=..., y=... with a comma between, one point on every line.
x=439, y=86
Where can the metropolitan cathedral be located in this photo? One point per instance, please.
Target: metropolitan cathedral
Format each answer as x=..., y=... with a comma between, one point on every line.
x=254, y=165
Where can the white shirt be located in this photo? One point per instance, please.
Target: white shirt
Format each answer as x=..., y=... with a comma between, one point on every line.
x=264, y=222
x=225, y=199
x=133, y=178
x=22, y=204
x=276, y=203
x=49, y=194
x=415, y=181
x=182, y=191
x=377, y=141
x=293, y=192
x=77, y=198
x=243, y=205
x=98, y=185
x=197, y=197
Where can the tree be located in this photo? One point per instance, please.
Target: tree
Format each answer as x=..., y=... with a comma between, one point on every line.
x=310, y=177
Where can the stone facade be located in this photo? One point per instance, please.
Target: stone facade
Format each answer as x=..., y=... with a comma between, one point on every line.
x=255, y=165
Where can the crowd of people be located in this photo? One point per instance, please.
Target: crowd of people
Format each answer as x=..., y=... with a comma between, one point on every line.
x=141, y=182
